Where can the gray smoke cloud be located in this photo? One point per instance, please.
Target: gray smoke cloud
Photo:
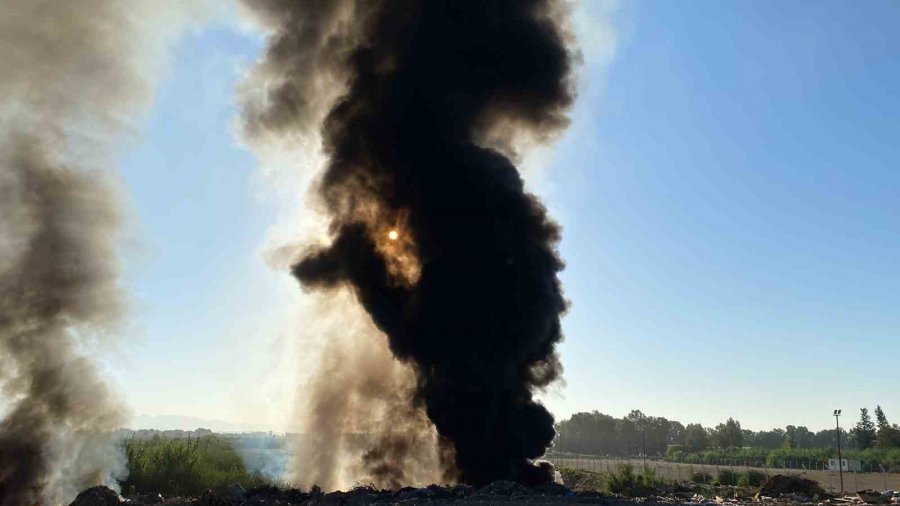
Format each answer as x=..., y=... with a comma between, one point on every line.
x=297, y=80
x=358, y=422
x=74, y=76
x=60, y=283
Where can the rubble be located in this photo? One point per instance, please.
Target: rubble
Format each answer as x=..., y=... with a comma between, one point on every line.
x=777, y=491
x=146, y=499
x=500, y=492
x=236, y=491
x=210, y=498
x=793, y=488
x=503, y=488
x=869, y=496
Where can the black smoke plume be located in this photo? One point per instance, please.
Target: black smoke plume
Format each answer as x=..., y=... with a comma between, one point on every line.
x=431, y=226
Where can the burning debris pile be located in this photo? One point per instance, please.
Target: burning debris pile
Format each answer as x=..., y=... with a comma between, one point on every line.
x=421, y=106
x=779, y=489
x=500, y=492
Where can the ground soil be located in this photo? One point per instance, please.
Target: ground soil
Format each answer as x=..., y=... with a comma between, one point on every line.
x=497, y=493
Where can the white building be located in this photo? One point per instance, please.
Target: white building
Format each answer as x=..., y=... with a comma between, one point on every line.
x=852, y=465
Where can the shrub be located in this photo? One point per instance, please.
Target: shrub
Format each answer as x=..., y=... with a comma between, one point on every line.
x=727, y=477
x=755, y=478
x=675, y=452
x=624, y=481
x=184, y=467
x=700, y=477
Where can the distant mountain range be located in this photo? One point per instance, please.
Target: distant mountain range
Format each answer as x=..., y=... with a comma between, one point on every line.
x=176, y=422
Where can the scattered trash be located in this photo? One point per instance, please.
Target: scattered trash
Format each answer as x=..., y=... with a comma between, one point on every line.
x=869, y=496
x=779, y=490
x=145, y=499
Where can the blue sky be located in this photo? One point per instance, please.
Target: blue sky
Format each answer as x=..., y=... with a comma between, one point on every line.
x=729, y=192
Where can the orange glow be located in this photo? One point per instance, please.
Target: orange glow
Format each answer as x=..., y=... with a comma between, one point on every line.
x=393, y=235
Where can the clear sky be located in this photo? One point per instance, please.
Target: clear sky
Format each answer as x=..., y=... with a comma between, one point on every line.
x=729, y=191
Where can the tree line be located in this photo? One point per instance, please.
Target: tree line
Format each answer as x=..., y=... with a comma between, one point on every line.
x=879, y=434
x=636, y=433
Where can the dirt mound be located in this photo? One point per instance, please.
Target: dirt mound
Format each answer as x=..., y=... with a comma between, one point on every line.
x=582, y=481
x=97, y=496
x=504, y=488
x=781, y=485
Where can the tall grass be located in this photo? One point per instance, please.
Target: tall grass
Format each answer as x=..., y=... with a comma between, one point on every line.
x=184, y=466
x=624, y=480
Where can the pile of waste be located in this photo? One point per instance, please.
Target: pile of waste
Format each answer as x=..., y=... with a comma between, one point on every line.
x=876, y=497
x=499, y=492
x=792, y=488
x=777, y=490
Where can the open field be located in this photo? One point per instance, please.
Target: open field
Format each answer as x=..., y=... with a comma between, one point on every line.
x=830, y=480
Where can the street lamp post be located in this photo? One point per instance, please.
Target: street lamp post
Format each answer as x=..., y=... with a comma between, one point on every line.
x=837, y=423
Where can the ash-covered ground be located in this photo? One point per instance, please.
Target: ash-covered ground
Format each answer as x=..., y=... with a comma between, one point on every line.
x=500, y=492
x=778, y=490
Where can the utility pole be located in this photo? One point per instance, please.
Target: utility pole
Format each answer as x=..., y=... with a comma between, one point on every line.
x=837, y=423
x=644, y=448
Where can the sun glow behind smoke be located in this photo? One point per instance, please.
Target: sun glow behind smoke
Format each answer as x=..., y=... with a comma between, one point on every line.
x=393, y=235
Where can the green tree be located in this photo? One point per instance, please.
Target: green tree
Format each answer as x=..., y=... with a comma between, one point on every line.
x=882, y=420
x=628, y=436
x=864, y=432
x=790, y=437
x=825, y=438
x=769, y=439
x=695, y=437
x=729, y=435
x=586, y=433
x=656, y=432
x=676, y=434
x=798, y=437
x=888, y=438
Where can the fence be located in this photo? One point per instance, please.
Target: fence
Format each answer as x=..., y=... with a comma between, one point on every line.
x=711, y=470
x=796, y=464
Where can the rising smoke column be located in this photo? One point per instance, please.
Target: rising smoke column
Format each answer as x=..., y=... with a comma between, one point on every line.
x=358, y=420
x=431, y=227
x=54, y=440
x=71, y=80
